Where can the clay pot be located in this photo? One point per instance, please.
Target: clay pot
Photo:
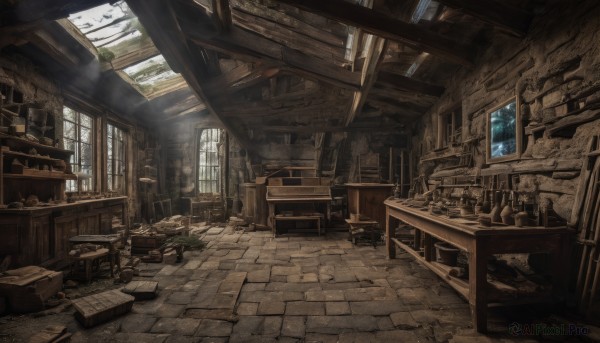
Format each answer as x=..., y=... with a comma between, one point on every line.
x=521, y=219
x=506, y=215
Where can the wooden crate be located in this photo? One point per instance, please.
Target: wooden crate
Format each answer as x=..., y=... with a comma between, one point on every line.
x=26, y=289
x=102, y=307
x=141, y=290
x=141, y=244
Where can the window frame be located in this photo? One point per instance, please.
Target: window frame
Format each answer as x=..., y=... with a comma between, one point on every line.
x=449, y=126
x=216, y=172
x=111, y=173
x=88, y=185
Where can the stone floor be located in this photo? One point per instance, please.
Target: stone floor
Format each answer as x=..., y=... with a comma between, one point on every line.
x=296, y=289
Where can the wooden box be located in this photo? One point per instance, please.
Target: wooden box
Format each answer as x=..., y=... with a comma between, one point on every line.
x=102, y=307
x=26, y=289
x=141, y=244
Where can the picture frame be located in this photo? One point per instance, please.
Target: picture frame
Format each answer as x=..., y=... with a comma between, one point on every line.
x=504, y=132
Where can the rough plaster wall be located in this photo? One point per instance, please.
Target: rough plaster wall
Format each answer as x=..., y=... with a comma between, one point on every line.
x=554, y=67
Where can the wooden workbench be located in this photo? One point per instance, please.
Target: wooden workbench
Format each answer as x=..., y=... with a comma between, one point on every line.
x=480, y=243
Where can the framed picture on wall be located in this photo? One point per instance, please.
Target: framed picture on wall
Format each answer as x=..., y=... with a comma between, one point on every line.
x=504, y=132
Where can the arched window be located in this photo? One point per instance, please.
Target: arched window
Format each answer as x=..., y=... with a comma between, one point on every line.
x=208, y=161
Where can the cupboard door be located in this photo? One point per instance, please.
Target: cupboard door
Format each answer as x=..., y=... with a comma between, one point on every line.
x=65, y=227
x=40, y=238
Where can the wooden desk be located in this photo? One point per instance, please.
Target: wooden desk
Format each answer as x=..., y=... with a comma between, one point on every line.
x=480, y=243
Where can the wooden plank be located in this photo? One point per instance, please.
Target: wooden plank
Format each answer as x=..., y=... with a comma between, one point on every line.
x=99, y=308
x=139, y=54
x=31, y=10
x=387, y=27
x=497, y=13
x=583, y=180
x=289, y=22
x=222, y=14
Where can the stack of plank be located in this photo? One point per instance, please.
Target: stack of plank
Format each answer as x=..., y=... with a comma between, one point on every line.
x=586, y=213
x=27, y=289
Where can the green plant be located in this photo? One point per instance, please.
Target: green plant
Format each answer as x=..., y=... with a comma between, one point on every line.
x=189, y=242
x=105, y=55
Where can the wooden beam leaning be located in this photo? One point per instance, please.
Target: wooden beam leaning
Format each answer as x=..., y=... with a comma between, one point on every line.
x=377, y=47
x=408, y=84
x=502, y=15
x=386, y=27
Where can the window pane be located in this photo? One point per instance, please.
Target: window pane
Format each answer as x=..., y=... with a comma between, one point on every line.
x=86, y=135
x=86, y=121
x=69, y=130
x=68, y=114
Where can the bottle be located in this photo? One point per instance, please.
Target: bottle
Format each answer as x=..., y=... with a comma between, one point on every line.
x=521, y=217
x=507, y=212
x=486, y=206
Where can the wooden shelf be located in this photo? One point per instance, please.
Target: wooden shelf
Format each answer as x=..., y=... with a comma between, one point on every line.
x=22, y=154
x=38, y=146
x=41, y=177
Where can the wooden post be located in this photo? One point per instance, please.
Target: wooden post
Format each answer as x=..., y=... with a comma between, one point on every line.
x=390, y=232
x=478, y=284
x=402, y=162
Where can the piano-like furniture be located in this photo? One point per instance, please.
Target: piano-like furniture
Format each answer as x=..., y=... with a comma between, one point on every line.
x=298, y=206
x=480, y=243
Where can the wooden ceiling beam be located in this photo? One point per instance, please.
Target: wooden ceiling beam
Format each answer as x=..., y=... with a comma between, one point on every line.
x=499, y=14
x=327, y=128
x=387, y=27
x=159, y=19
x=245, y=45
x=222, y=14
x=289, y=38
x=27, y=11
x=410, y=85
x=288, y=22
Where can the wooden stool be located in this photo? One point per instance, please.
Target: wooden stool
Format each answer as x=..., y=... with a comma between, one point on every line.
x=363, y=228
x=91, y=262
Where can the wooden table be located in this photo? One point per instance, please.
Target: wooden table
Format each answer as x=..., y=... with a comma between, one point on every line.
x=479, y=242
x=107, y=241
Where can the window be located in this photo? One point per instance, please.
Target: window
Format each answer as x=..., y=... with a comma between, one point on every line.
x=503, y=132
x=208, y=161
x=78, y=137
x=449, y=128
x=115, y=159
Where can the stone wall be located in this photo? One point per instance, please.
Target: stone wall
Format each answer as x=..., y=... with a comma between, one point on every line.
x=555, y=73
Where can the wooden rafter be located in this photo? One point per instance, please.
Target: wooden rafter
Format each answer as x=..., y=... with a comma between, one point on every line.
x=27, y=11
x=244, y=45
x=497, y=13
x=146, y=51
x=288, y=22
x=222, y=14
x=408, y=84
x=387, y=27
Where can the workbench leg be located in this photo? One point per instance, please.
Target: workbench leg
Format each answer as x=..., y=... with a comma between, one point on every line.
x=478, y=285
x=390, y=232
x=428, y=248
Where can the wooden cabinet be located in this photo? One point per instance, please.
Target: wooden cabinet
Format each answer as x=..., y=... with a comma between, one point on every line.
x=367, y=199
x=40, y=235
